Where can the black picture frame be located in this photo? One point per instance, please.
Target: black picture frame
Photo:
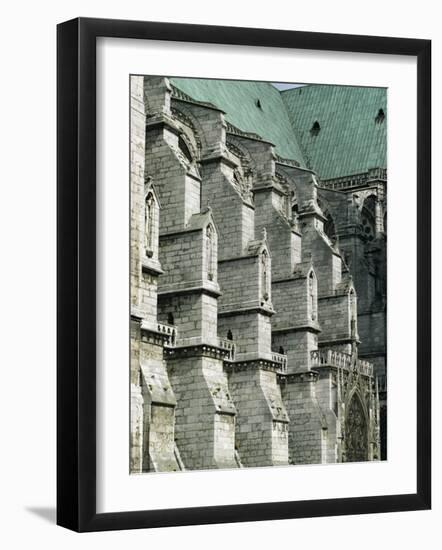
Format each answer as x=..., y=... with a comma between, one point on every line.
x=76, y=274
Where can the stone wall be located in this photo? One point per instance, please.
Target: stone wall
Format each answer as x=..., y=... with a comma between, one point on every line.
x=244, y=313
x=261, y=432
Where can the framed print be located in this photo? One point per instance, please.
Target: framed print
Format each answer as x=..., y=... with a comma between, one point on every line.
x=237, y=338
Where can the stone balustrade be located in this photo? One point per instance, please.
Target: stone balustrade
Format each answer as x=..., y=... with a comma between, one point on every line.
x=339, y=359
x=229, y=346
x=355, y=180
x=169, y=330
x=365, y=367
x=334, y=358
x=281, y=360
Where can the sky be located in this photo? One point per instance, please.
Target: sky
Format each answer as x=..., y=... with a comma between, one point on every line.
x=281, y=86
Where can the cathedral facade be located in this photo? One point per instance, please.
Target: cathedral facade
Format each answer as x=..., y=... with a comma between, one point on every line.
x=258, y=275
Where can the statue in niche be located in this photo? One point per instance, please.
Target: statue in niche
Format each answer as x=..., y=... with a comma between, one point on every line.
x=149, y=207
x=209, y=252
x=353, y=310
x=265, y=274
x=311, y=290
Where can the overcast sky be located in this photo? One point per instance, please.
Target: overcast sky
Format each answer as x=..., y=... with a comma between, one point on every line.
x=286, y=86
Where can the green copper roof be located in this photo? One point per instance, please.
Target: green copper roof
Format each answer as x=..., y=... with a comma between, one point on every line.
x=255, y=107
x=351, y=138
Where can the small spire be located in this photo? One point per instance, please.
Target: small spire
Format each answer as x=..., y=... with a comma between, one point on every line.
x=147, y=183
x=378, y=411
x=338, y=384
x=264, y=234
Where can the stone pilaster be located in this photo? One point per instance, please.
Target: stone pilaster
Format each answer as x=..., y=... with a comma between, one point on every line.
x=262, y=420
x=308, y=425
x=188, y=289
x=295, y=326
x=205, y=414
x=152, y=399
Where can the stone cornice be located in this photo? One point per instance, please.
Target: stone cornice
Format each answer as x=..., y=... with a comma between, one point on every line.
x=269, y=187
x=245, y=311
x=303, y=376
x=313, y=213
x=168, y=290
x=151, y=266
x=218, y=156
x=234, y=131
x=332, y=368
x=253, y=364
x=160, y=121
x=179, y=232
x=313, y=327
x=197, y=350
x=179, y=95
x=341, y=339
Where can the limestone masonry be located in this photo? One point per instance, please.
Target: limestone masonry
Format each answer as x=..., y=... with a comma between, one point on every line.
x=258, y=274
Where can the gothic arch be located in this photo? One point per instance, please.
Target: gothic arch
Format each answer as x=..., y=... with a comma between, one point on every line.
x=187, y=149
x=242, y=153
x=244, y=173
x=356, y=435
x=292, y=183
x=294, y=206
x=190, y=125
x=150, y=221
x=290, y=202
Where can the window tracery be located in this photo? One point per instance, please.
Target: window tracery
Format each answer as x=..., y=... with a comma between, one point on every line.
x=368, y=218
x=356, y=432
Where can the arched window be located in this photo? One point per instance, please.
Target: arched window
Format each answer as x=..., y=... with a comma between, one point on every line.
x=312, y=297
x=229, y=335
x=185, y=149
x=170, y=318
x=368, y=218
x=329, y=228
x=210, y=252
x=149, y=217
x=294, y=209
x=329, y=225
x=265, y=276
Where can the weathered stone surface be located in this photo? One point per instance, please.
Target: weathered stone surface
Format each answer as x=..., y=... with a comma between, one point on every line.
x=247, y=325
